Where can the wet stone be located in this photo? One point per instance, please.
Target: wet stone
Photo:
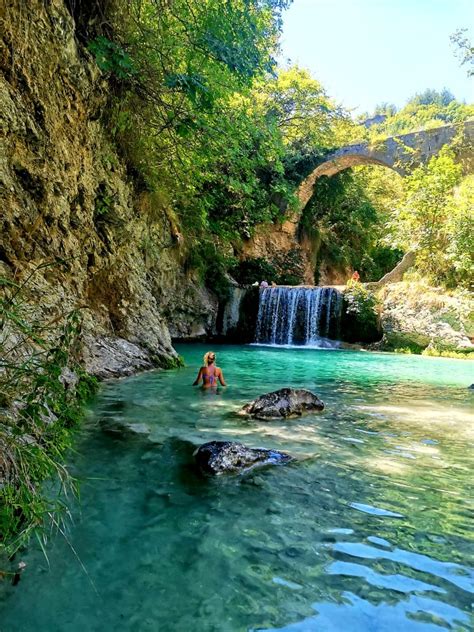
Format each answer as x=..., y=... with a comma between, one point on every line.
x=226, y=457
x=284, y=403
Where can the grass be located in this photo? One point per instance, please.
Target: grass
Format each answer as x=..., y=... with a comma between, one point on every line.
x=42, y=390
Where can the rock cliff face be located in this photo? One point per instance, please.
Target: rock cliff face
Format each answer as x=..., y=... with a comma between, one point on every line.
x=274, y=240
x=430, y=315
x=68, y=202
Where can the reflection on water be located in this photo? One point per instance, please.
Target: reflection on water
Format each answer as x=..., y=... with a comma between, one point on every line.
x=369, y=529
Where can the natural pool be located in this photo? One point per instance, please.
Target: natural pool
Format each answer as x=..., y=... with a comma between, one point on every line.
x=369, y=530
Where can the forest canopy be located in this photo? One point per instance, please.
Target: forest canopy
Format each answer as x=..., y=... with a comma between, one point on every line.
x=220, y=136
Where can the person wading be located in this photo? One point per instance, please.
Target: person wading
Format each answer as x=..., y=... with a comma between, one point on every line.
x=210, y=374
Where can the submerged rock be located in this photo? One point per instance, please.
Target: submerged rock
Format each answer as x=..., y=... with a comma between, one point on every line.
x=222, y=457
x=121, y=428
x=286, y=402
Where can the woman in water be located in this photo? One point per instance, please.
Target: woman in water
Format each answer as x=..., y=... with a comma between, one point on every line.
x=210, y=374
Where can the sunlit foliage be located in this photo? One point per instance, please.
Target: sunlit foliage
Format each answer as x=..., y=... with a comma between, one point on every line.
x=436, y=219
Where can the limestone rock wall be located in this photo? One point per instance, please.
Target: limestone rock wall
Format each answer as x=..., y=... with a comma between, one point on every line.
x=272, y=240
x=431, y=313
x=66, y=197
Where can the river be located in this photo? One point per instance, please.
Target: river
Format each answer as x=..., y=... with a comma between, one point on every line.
x=368, y=529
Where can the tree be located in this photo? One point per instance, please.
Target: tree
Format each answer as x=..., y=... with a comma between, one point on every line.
x=432, y=97
x=300, y=108
x=465, y=50
x=385, y=109
x=424, y=222
x=348, y=215
x=425, y=110
x=459, y=254
x=182, y=73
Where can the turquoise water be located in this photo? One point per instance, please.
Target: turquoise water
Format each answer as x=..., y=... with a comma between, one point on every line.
x=367, y=530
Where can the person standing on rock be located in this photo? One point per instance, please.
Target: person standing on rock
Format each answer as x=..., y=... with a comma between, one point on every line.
x=210, y=374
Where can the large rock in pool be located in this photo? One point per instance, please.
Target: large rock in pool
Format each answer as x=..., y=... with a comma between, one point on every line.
x=227, y=457
x=286, y=402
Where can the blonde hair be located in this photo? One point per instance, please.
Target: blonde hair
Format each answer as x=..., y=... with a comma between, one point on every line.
x=206, y=357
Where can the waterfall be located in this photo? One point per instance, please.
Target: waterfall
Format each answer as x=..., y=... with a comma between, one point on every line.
x=232, y=310
x=299, y=315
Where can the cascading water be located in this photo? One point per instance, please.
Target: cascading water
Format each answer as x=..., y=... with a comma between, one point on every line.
x=299, y=316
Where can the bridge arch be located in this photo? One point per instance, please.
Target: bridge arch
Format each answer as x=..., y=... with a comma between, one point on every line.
x=336, y=163
x=399, y=153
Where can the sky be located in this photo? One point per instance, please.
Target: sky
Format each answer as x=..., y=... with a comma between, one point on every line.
x=366, y=52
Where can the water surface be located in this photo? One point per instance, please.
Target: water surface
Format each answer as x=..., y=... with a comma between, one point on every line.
x=368, y=530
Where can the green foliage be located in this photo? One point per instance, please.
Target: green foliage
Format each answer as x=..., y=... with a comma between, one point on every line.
x=169, y=363
x=42, y=387
x=430, y=210
x=308, y=121
x=378, y=259
x=413, y=343
x=436, y=224
x=217, y=280
x=385, y=109
x=347, y=214
x=284, y=269
x=207, y=259
x=442, y=350
x=425, y=110
x=184, y=110
x=360, y=314
x=359, y=300
x=298, y=105
x=254, y=269
x=104, y=204
x=289, y=267
x=111, y=57
x=458, y=265
x=203, y=117
x=465, y=50
x=432, y=97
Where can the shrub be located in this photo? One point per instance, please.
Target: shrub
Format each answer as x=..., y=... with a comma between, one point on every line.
x=42, y=388
x=359, y=321
x=250, y=270
x=289, y=267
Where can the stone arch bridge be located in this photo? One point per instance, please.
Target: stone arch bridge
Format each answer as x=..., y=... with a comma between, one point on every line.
x=400, y=153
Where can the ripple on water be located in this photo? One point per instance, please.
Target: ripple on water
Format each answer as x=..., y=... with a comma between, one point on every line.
x=456, y=574
x=375, y=511
x=354, y=535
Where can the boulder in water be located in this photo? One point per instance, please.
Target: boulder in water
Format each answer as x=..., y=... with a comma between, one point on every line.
x=227, y=457
x=286, y=402
x=121, y=428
